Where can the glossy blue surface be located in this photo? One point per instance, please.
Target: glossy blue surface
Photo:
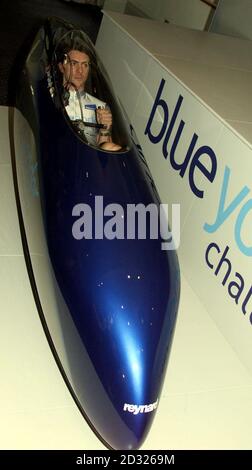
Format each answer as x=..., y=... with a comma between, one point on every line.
x=122, y=295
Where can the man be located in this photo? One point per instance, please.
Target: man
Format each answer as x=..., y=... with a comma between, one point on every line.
x=81, y=106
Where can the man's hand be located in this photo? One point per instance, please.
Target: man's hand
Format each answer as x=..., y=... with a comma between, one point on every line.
x=104, y=117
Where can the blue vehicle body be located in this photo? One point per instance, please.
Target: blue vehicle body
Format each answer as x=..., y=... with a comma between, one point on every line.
x=121, y=294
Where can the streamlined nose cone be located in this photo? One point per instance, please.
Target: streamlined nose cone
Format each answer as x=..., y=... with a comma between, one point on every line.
x=124, y=304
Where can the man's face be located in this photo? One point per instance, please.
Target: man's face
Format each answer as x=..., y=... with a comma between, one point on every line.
x=75, y=69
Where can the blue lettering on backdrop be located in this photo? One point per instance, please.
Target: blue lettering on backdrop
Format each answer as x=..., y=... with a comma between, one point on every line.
x=192, y=161
x=223, y=213
x=162, y=103
x=193, y=158
x=231, y=279
x=246, y=250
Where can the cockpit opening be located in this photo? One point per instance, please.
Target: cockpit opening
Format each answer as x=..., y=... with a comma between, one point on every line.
x=83, y=92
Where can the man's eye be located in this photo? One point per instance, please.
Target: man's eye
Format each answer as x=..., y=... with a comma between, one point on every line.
x=74, y=63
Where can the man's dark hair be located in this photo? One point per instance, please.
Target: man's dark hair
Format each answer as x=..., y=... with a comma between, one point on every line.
x=73, y=41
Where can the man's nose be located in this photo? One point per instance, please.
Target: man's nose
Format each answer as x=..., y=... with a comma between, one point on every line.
x=79, y=67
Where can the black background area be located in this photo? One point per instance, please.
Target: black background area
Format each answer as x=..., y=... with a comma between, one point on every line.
x=19, y=22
